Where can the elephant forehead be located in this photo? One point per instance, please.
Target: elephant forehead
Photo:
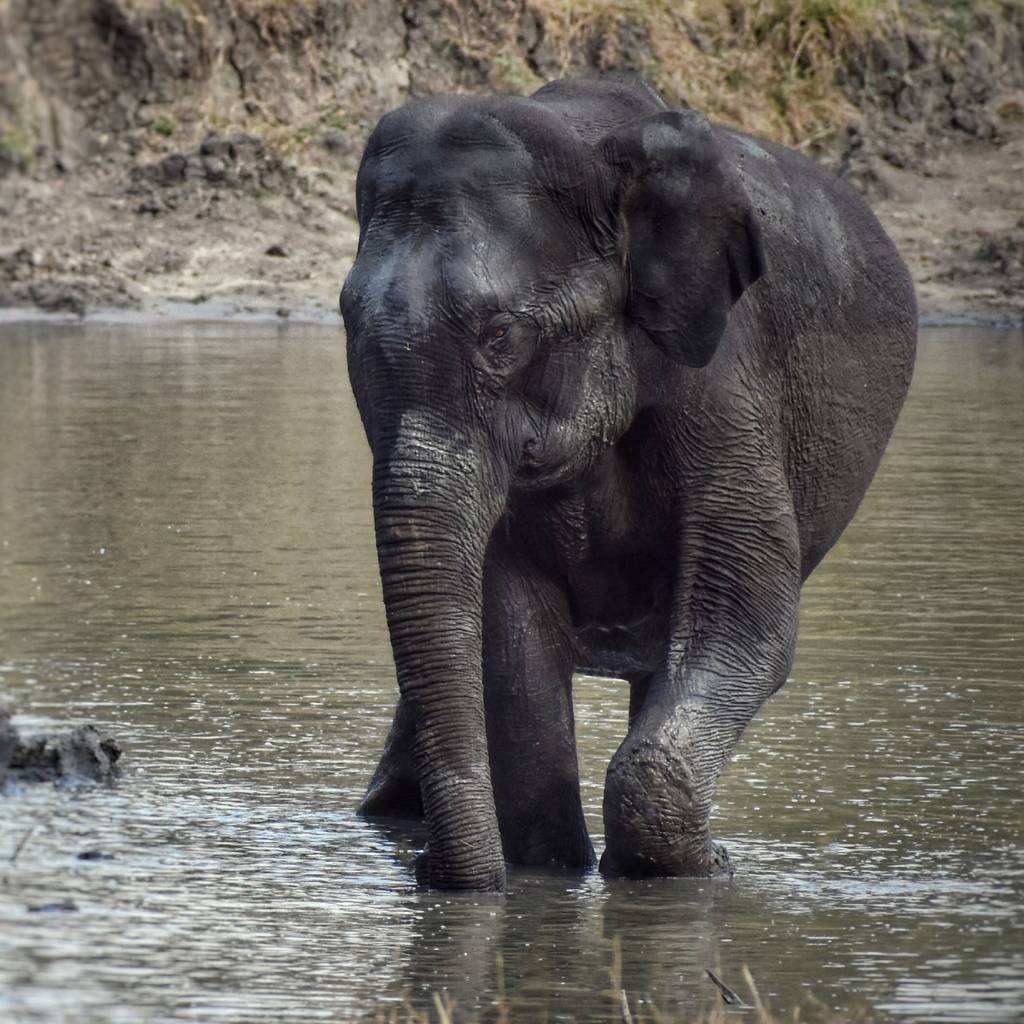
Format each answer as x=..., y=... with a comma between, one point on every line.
x=470, y=167
x=464, y=252
x=427, y=161
x=411, y=282
x=459, y=199
x=436, y=173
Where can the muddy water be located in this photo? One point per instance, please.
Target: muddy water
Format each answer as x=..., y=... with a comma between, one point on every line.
x=186, y=558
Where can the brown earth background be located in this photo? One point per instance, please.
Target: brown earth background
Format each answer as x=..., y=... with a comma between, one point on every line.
x=200, y=154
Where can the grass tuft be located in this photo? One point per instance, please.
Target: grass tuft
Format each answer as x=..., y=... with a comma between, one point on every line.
x=16, y=149
x=164, y=126
x=772, y=67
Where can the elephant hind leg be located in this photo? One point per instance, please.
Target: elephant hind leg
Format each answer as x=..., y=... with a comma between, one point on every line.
x=394, y=790
x=529, y=653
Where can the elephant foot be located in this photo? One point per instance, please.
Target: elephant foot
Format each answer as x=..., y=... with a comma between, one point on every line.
x=656, y=818
x=391, y=796
x=572, y=850
x=714, y=864
x=549, y=830
x=432, y=875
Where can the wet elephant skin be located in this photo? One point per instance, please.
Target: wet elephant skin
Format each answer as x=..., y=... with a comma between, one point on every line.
x=626, y=376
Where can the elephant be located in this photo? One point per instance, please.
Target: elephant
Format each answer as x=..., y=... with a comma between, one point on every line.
x=625, y=375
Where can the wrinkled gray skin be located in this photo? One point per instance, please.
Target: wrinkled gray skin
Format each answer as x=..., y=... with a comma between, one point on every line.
x=626, y=376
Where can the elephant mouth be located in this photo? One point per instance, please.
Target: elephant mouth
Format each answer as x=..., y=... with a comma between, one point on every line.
x=535, y=475
x=532, y=464
x=537, y=470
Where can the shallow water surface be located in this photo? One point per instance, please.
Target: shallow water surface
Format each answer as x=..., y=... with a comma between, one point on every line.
x=186, y=558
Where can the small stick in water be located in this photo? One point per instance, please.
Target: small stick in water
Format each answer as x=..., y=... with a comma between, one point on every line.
x=21, y=843
x=729, y=997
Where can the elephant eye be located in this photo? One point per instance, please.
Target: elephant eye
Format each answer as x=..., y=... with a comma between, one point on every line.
x=506, y=345
x=494, y=333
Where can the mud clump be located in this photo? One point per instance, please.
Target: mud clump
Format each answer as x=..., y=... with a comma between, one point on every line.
x=75, y=755
x=242, y=162
x=1004, y=254
x=197, y=182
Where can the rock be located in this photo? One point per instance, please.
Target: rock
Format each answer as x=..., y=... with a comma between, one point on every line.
x=58, y=298
x=8, y=741
x=337, y=141
x=966, y=121
x=240, y=161
x=217, y=148
x=81, y=753
x=276, y=250
x=1004, y=253
x=248, y=148
x=920, y=48
x=215, y=168
x=152, y=205
x=333, y=138
x=162, y=260
x=171, y=170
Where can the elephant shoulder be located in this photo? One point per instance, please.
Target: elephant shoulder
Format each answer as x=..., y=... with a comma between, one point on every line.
x=815, y=225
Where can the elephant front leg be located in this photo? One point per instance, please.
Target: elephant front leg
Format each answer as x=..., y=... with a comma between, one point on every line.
x=529, y=651
x=658, y=793
x=734, y=632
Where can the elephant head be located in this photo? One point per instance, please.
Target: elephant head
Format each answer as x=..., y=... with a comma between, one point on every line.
x=519, y=289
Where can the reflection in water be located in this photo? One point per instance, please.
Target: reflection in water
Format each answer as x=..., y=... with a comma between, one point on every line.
x=186, y=557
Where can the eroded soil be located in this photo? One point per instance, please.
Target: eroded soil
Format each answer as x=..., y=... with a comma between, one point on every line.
x=155, y=155
x=262, y=235
x=228, y=222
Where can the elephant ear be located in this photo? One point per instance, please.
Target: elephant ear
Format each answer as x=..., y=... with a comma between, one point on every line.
x=692, y=245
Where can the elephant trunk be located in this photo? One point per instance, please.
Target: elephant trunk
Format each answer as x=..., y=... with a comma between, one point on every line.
x=433, y=518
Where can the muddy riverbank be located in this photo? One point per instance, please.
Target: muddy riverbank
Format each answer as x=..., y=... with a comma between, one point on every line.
x=153, y=152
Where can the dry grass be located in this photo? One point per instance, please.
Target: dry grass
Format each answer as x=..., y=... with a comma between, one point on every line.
x=768, y=66
x=772, y=67
x=624, y=1006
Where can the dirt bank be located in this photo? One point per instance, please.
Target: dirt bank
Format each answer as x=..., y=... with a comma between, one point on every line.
x=155, y=150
